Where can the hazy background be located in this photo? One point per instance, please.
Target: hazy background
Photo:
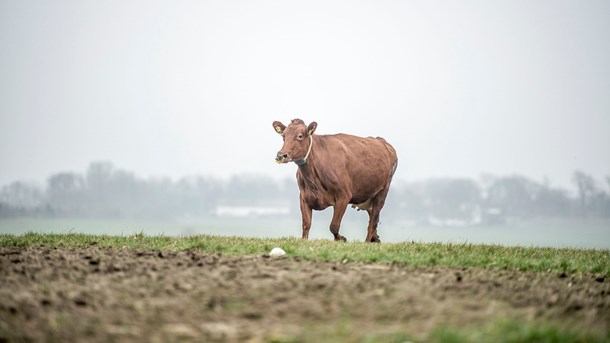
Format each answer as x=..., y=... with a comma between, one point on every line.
x=172, y=89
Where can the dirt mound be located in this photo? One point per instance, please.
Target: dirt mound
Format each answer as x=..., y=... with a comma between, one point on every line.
x=102, y=295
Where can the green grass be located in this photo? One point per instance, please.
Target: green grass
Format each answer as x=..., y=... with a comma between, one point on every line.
x=507, y=330
x=515, y=331
x=596, y=261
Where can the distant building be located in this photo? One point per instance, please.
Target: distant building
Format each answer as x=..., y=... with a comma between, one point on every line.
x=251, y=211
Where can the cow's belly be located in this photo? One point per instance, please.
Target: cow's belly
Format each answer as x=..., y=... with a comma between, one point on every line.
x=365, y=193
x=320, y=201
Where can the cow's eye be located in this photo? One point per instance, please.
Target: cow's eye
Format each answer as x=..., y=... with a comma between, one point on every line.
x=299, y=137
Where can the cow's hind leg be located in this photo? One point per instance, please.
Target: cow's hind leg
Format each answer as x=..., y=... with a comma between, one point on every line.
x=372, y=235
x=374, y=211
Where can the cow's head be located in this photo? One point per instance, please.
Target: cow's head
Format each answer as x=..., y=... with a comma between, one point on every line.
x=296, y=140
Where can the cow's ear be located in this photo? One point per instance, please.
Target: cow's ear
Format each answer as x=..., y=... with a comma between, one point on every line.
x=311, y=128
x=279, y=127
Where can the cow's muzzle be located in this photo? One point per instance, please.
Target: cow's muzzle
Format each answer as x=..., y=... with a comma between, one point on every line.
x=282, y=158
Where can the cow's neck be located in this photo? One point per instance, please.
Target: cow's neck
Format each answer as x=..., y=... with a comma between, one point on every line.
x=307, y=172
x=312, y=173
x=303, y=161
x=308, y=163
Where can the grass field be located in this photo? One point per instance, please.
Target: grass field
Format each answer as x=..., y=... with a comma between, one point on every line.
x=225, y=289
x=416, y=254
x=556, y=233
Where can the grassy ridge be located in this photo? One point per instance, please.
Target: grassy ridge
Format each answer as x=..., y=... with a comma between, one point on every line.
x=419, y=254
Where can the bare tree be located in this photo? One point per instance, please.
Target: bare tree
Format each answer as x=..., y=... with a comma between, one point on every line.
x=586, y=189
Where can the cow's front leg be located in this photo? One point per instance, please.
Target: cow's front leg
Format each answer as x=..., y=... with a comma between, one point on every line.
x=306, y=216
x=338, y=211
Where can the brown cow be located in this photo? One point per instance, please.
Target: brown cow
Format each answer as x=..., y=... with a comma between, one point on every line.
x=337, y=170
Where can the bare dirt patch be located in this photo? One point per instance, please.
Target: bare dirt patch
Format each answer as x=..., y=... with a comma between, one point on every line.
x=95, y=294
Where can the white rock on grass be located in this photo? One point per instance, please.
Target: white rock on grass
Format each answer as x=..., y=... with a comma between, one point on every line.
x=277, y=252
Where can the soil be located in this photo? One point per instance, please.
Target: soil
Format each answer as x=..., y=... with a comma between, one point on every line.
x=98, y=295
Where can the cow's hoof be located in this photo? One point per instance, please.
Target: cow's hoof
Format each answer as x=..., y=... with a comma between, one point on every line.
x=341, y=239
x=374, y=239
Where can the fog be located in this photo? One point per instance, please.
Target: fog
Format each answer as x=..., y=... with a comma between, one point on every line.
x=462, y=90
x=509, y=210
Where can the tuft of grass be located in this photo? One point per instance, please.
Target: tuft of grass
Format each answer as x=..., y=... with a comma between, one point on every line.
x=594, y=261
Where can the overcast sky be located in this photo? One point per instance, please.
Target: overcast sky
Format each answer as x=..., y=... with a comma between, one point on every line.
x=175, y=88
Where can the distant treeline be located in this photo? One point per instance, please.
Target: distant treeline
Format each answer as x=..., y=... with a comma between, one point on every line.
x=104, y=191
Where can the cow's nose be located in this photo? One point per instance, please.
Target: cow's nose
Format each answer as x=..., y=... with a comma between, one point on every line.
x=281, y=157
